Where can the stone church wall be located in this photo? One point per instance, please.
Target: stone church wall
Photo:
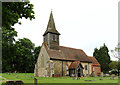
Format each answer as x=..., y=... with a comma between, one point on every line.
x=60, y=67
x=42, y=64
x=57, y=67
x=89, y=68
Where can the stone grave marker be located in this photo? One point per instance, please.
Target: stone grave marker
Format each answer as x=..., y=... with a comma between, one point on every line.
x=35, y=81
x=112, y=76
x=102, y=74
x=100, y=79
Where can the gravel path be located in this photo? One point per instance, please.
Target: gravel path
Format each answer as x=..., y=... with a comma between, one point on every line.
x=3, y=80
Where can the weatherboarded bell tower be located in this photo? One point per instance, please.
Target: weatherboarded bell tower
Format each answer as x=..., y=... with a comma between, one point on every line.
x=51, y=35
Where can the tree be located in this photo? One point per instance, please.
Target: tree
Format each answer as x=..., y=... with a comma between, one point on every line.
x=103, y=57
x=8, y=49
x=25, y=59
x=11, y=13
x=116, y=54
x=113, y=65
x=116, y=51
x=36, y=52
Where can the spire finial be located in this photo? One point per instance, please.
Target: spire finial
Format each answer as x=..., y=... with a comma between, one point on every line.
x=51, y=10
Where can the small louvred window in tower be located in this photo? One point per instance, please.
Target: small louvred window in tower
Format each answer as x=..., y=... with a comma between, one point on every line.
x=54, y=37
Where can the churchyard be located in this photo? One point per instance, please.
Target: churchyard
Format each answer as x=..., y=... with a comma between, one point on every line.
x=29, y=78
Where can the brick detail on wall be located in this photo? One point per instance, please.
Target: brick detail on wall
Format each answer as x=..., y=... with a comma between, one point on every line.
x=97, y=70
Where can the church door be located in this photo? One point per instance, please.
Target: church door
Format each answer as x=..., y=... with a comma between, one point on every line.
x=79, y=74
x=80, y=70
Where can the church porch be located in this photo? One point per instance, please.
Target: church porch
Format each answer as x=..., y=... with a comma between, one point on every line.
x=76, y=69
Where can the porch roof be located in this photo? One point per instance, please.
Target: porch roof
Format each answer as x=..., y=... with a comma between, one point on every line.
x=74, y=65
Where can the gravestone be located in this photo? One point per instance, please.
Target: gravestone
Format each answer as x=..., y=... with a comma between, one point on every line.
x=112, y=76
x=107, y=75
x=15, y=71
x=76, y=78
x=100, y=79
x=102, y=74
x=8, y=73
x=35, y=81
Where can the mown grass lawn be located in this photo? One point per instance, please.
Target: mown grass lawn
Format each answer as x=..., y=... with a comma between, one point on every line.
x=29, y=78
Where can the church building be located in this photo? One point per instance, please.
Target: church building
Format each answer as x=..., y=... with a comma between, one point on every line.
x=56, y=61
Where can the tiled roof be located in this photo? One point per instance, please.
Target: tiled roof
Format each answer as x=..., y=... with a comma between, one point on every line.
x=74, y=65
x=67, y=53
x=74, y=54
x=94, y=61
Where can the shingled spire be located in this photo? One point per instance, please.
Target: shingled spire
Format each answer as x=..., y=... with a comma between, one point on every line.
x=51, y=35
x=51, y=26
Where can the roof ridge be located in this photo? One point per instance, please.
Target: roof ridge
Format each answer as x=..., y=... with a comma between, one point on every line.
x=71, y=48
x=90, y=56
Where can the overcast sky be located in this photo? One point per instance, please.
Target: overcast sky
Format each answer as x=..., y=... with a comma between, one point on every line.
x=83, y=24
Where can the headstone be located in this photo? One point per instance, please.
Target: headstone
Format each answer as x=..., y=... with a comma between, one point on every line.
x=102, y=74
x=35, y=81
x=112, y=76
x=89, y=80
x=76, y=78
x=15, y=71
x=100, y=79
x=8, y=73
x=107, y=74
